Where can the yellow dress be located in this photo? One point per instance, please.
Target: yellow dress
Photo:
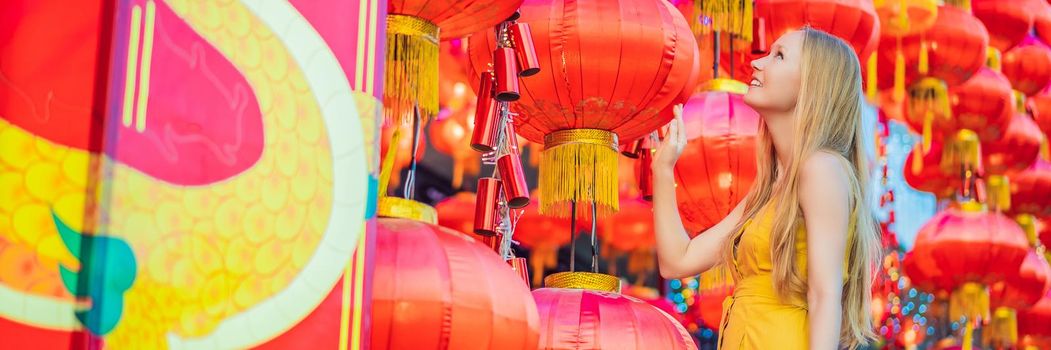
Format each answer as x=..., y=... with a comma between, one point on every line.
x=754, y=317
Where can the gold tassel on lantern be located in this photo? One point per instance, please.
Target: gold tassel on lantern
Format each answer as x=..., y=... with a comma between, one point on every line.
x=411, y=69
x=917, y=159
x=899, y=74
x=923, y=66
x=960, y=4
x=1002, y=331
x=971, y=300
x=998, y=190
x=929, y=97
x=579, y=165
x=1028, y=224
x=729, y=16
x=872, y=79
x=962, y=153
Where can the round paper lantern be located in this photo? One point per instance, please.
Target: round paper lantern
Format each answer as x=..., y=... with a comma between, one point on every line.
x=955, y=50
x=709, y=306
x=964, y=249
x=1017, y=292
x=1031, y=190
x=1040, y=106
x=435, y=288
x=581, y=310
x=1008, y=21
x=631, y=228
x=1041, y=19
x=414, y=28
x=607, y=81
x=901, y=18
x=457, y=212
x=1028, y=66
x=930, y=175
x=1034, y=324
x=452, y=136
x=1013, y=153
x=717, y=167
x=983, y=104
x=854, y=21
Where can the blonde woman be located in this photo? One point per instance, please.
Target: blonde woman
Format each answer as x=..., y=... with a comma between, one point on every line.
x=802, y=246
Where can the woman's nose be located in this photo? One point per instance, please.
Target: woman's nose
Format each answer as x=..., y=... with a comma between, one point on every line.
x=756, y=64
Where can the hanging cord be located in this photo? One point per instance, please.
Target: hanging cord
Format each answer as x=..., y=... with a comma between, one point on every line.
x=594, y=219
x=410, y=182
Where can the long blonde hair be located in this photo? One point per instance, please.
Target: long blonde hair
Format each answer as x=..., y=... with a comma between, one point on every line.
x=828, y=118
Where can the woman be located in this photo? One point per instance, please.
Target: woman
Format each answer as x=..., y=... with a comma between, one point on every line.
x=802, y=245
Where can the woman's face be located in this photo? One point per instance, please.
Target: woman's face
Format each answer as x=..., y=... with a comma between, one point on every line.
x=775, y=82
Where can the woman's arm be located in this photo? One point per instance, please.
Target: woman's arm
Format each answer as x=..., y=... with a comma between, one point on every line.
x=679, y=256
x=824, y=199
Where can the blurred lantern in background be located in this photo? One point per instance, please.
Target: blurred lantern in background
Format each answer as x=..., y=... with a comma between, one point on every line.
x=1008, y=22
x=1028, y=66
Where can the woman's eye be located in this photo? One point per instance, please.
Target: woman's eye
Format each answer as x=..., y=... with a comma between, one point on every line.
x=780, y=55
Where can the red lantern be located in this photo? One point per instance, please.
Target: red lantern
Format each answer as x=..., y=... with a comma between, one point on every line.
x=436, y=288
x=1016, y=150
x=983, y=104
x=1041, y=19
x=607, y=82
x=931, y=175
x=1040, y=105
x=1008, y=22
x=1034, y=324
x=1031, y=191
x=709, y=306
x=717, y=167
x=1017, y=292
x=580, y=310
x=964, y=249
x=955, y=50
x=1028, y=66
x=457, y=212
x=414, y=28
x=631, y=228
x=854, y=21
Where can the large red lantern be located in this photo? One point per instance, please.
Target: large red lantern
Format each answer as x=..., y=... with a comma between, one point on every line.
x=436, y=288
x=1034, y=324
x=854, y=21
x=1008, y=21
x=717, y=167
x=1013, y=153
x=930, y=174
x=1017, y=292
x=606, y=84
x=1016, y=151
x=954, y=49
x=581, y=310
x=414, y=28
x=1031, y=190
x=1028, y=66
x=1040, y=105
x=964, y=249
x=983, y=104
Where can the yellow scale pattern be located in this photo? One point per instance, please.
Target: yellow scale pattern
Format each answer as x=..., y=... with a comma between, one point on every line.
x=204, y=253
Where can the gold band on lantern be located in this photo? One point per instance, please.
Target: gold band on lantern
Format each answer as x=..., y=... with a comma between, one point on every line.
x=583, y=280
x=579, y=165
x=412, y=25
x=401, y=208
x=581, y=136
x=725, y=85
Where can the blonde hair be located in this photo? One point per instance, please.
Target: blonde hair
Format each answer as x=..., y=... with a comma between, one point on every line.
x=828, y=118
